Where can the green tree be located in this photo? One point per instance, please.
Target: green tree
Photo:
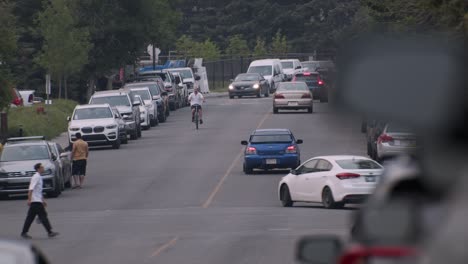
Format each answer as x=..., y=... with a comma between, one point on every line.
x=260, y=48
x=66, y=46
x=207, y=50
x=7, y=51
x=237, y=46
x=279, y=44
x=185, y=45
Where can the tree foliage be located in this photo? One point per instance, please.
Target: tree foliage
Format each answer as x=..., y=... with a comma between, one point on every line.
x=7, y=50
x=260, y=48
x=279, y=44
x=237, y=46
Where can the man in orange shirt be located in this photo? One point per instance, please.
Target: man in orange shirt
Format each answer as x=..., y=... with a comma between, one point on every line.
x=80, y=153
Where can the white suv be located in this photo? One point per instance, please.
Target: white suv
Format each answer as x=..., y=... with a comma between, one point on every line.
x=98, y=125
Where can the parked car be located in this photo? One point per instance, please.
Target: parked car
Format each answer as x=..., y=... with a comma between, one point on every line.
x=144, y=113
x=396, y=140
x=150, y=103
x=169, y=85
x=64, y=159
x=28, y=97
x=331, y=180
x=182, y=89
x=158, y=94
x=315, y=83
x=122, y=124
x=246, y=84
x=17, y=99
x=291, y=67
x=270, y=69
x=16, y=252
x=271, y=149
x=314, y=65
x=98, y=124
x=129, y=109
x=188, y=77
x=17, y=162
x=374, y=129
x=293, y=95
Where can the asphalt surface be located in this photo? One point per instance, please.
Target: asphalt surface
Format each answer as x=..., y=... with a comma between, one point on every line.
x=178, y=195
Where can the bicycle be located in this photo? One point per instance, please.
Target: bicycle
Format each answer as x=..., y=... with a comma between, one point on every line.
x=196, y=118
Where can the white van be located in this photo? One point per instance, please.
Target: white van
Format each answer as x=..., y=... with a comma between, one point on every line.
x=270, y=69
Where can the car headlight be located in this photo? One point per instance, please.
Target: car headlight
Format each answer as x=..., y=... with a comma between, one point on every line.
x=48, y=172
x=111, y=126
x=74, y=129
x=231, y=87
x=256, y=86
x=127, y=117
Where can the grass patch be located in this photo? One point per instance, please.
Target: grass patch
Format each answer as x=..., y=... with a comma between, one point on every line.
x=51, y=124
x=217, y=87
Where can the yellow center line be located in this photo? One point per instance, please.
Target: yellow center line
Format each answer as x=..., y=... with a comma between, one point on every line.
x=215, y=191
x=161, y=249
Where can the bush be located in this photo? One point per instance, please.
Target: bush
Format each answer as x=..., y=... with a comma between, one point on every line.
x=50, y=124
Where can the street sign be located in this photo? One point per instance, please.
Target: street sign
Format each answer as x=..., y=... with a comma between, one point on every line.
x=48, y=86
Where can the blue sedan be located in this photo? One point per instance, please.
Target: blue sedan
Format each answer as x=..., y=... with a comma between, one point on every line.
x=271, y=149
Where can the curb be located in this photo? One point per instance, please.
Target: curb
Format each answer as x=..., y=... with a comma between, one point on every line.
x=216, y=95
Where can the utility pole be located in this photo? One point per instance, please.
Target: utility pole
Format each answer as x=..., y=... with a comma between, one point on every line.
x=154, y=57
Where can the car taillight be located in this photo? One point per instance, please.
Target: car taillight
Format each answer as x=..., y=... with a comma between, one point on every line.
x=291, y=149
x=347, y=175
x=320, y=82
x=384, y=138
x=17, y=101
x=251, y=151
x=306, y=95
x=279, y=96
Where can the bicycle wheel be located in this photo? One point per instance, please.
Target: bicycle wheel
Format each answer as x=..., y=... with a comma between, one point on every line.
x=196, y=119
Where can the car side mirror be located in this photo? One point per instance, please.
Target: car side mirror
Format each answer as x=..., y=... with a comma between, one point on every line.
x=244, y=142
x=319, y=249
x=54, y=157
x=294, y=172
x=136, y=103
x=68, y=118
x=298, y=67
x=197, y=78
x=299, y=141
x=64, y=155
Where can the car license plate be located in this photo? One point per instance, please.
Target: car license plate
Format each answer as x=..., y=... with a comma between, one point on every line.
x=293, y=103
x=271, y=161
x=371, y=179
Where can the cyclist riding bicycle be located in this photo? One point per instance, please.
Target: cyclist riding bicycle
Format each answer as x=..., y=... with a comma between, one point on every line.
x=196, y=99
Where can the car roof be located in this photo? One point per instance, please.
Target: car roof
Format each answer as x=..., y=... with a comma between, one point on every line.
x=109, y=93
x=272, y=131
x=91, y=106
x=341, y=157
x=287, y=60
x=140, y=83
x=264, y=62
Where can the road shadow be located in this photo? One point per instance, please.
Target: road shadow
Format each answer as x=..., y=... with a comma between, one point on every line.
x=317, y=206
x=269, y=172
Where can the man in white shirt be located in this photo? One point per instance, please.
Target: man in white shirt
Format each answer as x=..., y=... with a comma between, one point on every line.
x=37, y=204
x=196, y=100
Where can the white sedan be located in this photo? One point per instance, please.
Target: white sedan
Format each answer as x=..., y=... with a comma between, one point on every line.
x=331, y=180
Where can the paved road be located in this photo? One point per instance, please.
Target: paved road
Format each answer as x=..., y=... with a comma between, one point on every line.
x=179, y=195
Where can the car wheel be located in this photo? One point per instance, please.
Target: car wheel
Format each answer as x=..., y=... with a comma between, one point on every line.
x=328, y=201
x=134, y=135
x=116, y=144
x=267, y=93
x=139, y=131
x=259, y=94
x=153, y=122
x=172, y=107
x=231, y=97
x=56, y=192
x=247, y=170
x=310, y=110
x=275, y=110
x=285, y=196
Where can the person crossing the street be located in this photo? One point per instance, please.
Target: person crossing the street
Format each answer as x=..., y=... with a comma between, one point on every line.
x=80, y=152
x=37, y=205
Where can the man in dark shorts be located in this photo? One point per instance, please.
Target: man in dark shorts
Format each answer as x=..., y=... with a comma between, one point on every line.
x=80, y=153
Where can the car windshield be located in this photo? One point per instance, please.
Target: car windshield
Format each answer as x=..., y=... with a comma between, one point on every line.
x=262, y=70
x=143, y=94
x=162, y=75
x=292, y=87
x=310, y=65
x=358, y=164
x=154, y=89
x=54, y=149
x=246, y=77
x=92, y=113
x=396, y=128
x=287, y=64
x=281, y=138
x=118, y=100
x=186, y=74
x=24, y=152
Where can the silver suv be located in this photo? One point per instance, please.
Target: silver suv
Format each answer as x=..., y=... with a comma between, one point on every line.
x=129, y=109
x=17, y=162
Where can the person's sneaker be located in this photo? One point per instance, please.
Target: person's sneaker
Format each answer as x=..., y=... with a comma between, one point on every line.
x=53, y=234
x=26, y=236
x=201, y=121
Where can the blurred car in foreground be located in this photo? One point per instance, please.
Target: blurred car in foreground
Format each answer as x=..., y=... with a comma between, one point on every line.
x=271, y=149
x=395, y=140
x=17, y=162
x=315, y=83
x=15, y=252
x=249, y=84
x=331, y=180
x=293, y=96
